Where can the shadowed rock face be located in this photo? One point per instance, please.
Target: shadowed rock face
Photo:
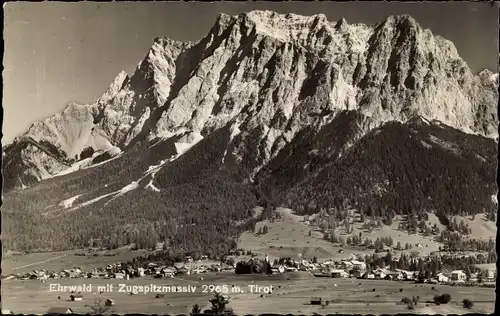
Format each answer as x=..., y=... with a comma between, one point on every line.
x=268, y=78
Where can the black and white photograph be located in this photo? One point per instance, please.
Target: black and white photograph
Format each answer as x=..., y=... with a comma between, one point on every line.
x=235, y=158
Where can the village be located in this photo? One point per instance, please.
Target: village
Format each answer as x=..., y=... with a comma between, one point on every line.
x=205, y=267
x=348, y=268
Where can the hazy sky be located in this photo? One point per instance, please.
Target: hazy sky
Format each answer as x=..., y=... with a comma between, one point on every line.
x=59, y=52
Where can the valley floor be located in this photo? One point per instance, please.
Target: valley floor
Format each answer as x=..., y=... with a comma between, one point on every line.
x=59, y=260
x=292, y=293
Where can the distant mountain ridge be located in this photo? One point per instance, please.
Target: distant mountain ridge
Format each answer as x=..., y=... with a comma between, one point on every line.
x=266, y=109
x=263, y=73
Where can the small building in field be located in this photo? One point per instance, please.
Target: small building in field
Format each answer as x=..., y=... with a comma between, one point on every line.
x=458, y=275
x=109, y=302
x=76, y=297
x=59, y=311
x=368, y=275
x=119, y=275
x=316, y=301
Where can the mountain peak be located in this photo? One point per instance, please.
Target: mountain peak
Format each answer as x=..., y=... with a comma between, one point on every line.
x=276, y=74
x=404, y=20
x=114, y=87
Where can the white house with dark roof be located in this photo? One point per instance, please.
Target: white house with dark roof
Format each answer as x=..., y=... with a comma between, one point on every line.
x=458, y=275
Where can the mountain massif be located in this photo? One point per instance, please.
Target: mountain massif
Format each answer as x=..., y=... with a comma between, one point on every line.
x=265, y=109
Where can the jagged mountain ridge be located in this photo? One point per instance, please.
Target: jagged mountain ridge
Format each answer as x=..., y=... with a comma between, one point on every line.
x=267, y=77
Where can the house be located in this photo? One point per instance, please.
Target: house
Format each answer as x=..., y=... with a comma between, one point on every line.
x=346, y=265
x=291, y=269
x=197, y=270
x=442, y=278
x=189, y=259
x=10, y=277
x=109, y=302
x=140, y=272
x=204, y=258
x=281, y=269
x=168, y=272
x=408, y=275
x=316, y=301
x=178, y=265
x=339, y=273
x=356, y=273
x=380, y=273
x=368, y=275
x=183, y=270
x=474, y=277
x=490, y=274
x=59, y=310
x=303, y=267
x=119, y=275
x=76, y=297
x=458, y=275
x=394, y=275
x=358, y=264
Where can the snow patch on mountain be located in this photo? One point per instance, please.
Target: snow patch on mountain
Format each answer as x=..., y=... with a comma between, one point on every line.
x=75, y=167
x=187, y=141
x=445, y=144
x=69, y=202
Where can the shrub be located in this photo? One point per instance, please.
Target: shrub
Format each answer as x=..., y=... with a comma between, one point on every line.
x=195, y=310
x=406, y=301
x=442, y=299
x=445, y=298
x=467, y=303
x=400, y=290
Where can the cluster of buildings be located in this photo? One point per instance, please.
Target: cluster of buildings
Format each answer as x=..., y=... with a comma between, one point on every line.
x=123, y=271
x=344, y=269
x=358, y=269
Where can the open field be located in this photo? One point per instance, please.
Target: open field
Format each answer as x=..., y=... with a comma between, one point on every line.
x=56, y=261
x=288, y=296
x=289, y=237
x=481, y=227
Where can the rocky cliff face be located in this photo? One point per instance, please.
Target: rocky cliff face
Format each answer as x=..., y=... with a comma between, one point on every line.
x=267, y=77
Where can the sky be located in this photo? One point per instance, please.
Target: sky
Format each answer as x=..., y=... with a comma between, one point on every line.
x=58, y=52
